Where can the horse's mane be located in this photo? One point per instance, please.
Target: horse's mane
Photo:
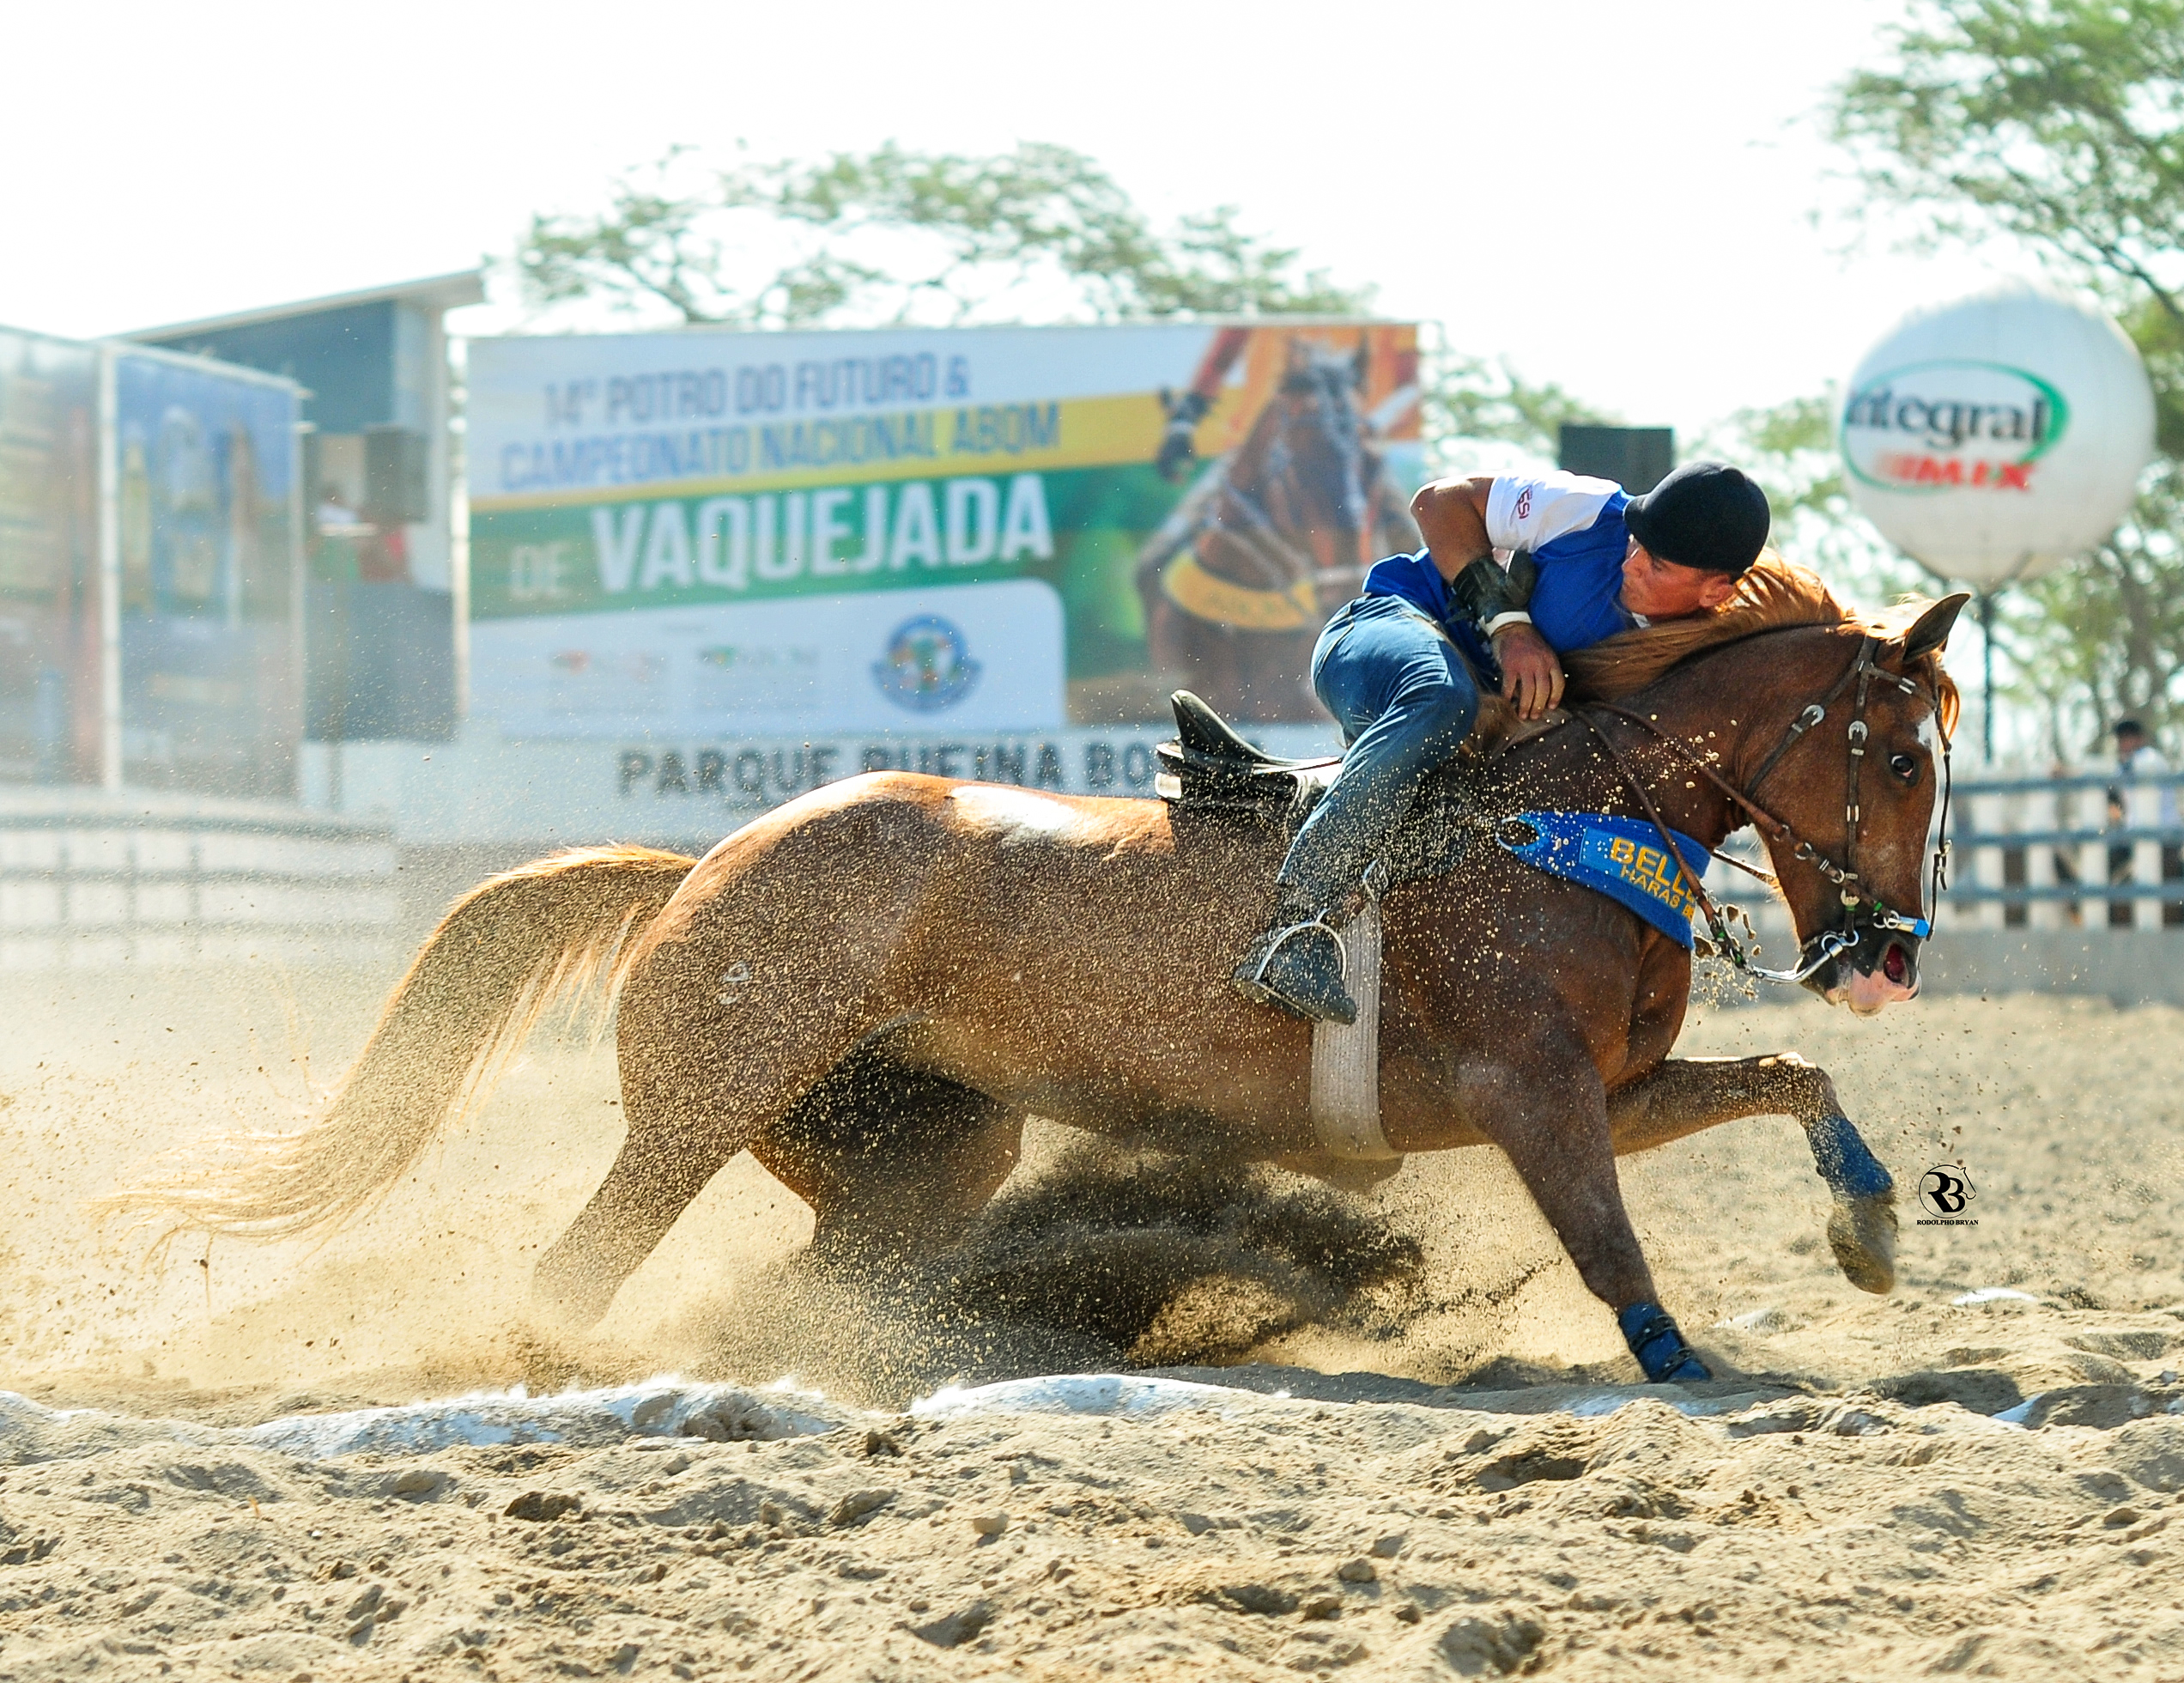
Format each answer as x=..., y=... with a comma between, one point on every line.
x=1773, y=595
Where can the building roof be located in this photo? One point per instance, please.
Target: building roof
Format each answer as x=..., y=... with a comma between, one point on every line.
x=446, y=291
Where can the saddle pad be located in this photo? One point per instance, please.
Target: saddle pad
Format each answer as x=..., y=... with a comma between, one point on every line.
x=1346, y=1058
x=1621, y=858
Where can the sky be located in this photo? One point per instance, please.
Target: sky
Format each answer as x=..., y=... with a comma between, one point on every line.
x=1636, y=201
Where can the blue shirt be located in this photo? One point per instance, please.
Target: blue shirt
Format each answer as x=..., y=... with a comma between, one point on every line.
x=1573, y=604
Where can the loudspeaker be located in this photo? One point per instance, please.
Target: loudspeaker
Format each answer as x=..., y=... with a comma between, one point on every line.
x=1636, y=457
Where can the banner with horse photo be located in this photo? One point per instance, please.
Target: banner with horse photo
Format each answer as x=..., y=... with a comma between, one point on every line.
x=749, y=534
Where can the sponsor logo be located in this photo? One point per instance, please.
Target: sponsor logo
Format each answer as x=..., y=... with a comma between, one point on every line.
x=927, y=667
x=1649, y=870
x=1952, y=424
x=1524, y=504
x=639, y=665
x=1944, y=1194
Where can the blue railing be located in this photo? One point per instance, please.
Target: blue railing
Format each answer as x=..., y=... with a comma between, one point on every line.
x=2084, y=847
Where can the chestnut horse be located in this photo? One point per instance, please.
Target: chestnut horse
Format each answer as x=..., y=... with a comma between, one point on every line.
x=871, y=988
x=1238, y=584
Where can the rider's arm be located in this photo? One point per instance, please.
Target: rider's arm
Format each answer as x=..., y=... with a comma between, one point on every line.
x=1221, y=356
x=1452, y=517
x=1178, y=445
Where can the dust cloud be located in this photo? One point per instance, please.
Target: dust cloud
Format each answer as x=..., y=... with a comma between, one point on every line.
x=1093, y=1255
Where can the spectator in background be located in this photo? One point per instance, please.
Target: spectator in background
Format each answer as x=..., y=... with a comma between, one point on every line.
x=2137, y=757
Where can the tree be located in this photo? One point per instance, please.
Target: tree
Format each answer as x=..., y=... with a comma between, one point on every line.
x=898, y=236
x=1468, y=399
x=1791, y=450
x=2060, y=124
x=2105, y=637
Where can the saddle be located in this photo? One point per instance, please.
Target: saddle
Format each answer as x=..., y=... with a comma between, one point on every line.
x=1209, y=767
x=1209, y=770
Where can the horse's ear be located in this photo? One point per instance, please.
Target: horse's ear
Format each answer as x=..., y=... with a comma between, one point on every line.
x=1933, y=627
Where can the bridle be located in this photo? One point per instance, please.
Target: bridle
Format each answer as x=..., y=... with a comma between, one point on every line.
x=1861, y=915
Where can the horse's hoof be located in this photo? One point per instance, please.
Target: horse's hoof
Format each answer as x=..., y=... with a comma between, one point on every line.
x=1861, y=1232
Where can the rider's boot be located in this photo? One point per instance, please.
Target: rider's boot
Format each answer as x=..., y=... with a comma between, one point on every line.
x=1297, y=963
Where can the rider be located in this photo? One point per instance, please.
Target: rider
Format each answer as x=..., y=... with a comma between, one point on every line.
x=1586, y=562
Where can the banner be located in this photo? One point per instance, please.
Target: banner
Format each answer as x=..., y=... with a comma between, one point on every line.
x=50, y=658
x=207, y=518
x=1000, y=529
x=666, y=790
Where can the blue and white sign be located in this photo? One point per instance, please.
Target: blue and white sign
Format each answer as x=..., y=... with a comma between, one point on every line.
x=984, y=657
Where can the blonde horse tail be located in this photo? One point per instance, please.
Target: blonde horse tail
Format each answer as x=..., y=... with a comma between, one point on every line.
x=506, y=953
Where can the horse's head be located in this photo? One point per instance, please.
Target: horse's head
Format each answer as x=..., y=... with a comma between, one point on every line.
x=1854, y=775
x=1306, y=463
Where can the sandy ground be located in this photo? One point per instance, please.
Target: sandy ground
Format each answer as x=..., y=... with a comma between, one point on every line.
x=1481, y=1490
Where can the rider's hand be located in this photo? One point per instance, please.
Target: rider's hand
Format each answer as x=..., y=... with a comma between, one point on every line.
x=1178, y=445
x=1178, y=449
x=1531, y=675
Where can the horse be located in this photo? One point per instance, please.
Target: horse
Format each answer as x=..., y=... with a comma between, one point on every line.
x=871, y=987
x=1237, y=585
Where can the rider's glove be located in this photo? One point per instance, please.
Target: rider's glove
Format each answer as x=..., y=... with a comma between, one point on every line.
x=1179, y=444
x=1492, y=598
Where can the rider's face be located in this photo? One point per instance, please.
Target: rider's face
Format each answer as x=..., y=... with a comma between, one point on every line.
x=1668, y=590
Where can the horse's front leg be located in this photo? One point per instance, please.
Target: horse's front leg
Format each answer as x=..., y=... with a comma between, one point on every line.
x=1682, y=1096
x=1544, y=1106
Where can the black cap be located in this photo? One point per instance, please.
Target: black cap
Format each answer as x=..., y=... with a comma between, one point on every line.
x=1705, y=514
x=2129, y=727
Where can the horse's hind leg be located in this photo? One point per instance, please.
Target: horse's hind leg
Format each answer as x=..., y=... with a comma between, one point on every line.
x=1683, y=1096
x=705, y=1065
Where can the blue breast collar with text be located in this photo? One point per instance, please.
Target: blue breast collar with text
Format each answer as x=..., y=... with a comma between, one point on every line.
x=1620, y=857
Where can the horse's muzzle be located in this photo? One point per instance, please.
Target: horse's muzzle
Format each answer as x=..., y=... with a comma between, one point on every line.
x=1881, y=970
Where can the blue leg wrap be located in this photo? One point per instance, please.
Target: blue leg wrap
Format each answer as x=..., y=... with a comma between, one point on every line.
x=1849, y=1169
x=1652, y=1333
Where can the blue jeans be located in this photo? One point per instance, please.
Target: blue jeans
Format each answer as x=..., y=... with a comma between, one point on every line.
x=1405, y=699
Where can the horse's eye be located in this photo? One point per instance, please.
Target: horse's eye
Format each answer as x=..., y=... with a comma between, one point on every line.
x=1905, y=767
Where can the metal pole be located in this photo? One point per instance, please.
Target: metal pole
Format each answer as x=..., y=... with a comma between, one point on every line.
x=110, y=574
x=1986, y=662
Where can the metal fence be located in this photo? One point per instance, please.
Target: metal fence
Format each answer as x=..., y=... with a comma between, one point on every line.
x=90, y=881
x=2086, y=850
x=2054, y=852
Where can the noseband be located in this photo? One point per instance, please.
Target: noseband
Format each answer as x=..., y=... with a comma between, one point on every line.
x=1860, y=915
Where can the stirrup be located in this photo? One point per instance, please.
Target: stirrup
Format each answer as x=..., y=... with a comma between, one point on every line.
x=1275, y=940
x=1250, y=977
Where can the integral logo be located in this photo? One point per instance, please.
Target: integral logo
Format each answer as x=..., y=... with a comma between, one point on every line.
x=1944, y=1194
x=1952, y=425
x=927, y=666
